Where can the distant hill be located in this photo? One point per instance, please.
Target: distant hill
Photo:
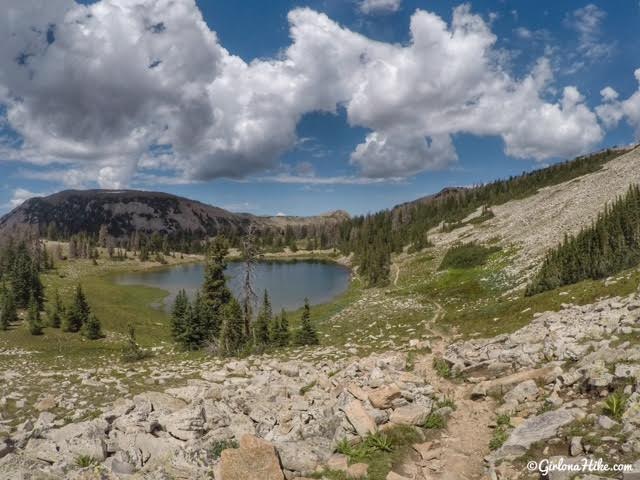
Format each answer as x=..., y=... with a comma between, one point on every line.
x=126, y=211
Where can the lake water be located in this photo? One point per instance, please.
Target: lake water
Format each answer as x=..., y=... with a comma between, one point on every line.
x=288, y=283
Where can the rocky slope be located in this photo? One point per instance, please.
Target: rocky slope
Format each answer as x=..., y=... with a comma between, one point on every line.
x=539, y=222
x=126, y=211
x=266, y=418
x=554, y=379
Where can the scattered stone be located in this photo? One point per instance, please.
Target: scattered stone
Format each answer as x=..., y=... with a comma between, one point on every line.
x=360, y=418
x=384, y=396
x=256, y=459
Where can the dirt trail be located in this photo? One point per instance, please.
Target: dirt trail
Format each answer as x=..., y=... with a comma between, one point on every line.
x=461, y=448
x=465, y=442
x=463, y=445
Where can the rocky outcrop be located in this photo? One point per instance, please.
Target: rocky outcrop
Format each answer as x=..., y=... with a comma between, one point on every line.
x=258, y=404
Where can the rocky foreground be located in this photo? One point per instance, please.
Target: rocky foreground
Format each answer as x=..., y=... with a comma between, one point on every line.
x=554, y=378
x=542, y=392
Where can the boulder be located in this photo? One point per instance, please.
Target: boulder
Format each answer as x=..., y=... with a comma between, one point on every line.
x=410, y=415
x=502, y=385
x=298, y=457
x=162, y=403
x=383, y=397
x=359, y=418
x=185, y=424
x=84, y=438
x=525, y=391
x=535, y=429
x=256, y=459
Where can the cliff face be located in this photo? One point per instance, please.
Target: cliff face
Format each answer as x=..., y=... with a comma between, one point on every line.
x=126, y=211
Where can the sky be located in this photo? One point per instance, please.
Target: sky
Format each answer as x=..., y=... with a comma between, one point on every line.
x=307, y=106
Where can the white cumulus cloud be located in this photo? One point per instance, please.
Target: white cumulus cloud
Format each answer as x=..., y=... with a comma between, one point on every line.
x=120, y=87
x=613, y=110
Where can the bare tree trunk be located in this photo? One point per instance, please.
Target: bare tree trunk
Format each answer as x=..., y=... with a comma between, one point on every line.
x=249, y=255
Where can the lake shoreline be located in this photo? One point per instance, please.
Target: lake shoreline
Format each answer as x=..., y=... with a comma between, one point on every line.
x=288, y=280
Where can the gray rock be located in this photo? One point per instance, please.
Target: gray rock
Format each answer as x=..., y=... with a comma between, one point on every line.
x=525, y=391
x=185, y=424
x=575, y=448
x=606, y=422
x=535, y=429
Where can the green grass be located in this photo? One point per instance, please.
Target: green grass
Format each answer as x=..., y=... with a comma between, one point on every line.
x=381, y=451
x=467, y=255
x=479, y=301
x=614, y=405
x=84, y=461
x=501, y=432
x=442, y=367
x=435, y=421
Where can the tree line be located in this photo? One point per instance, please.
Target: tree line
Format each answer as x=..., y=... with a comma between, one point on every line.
x=609, y=245
x=374, y=237
x=217, y=320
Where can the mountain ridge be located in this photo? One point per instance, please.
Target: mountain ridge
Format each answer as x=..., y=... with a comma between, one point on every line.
x=126, y=211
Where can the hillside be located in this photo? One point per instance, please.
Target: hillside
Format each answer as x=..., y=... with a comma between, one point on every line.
x=538, y=222
x=126, y=211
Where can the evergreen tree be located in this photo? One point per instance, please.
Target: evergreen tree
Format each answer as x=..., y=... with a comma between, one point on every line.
x=192, y=337
x=178, y=315
x=92, y=329
x=77, y=314
x=611, y=244
x=232, y=335
x=215, y=293
x=57, y=311
x=306, y=335
x=279, y=330
x=263, y=320
x=33, y=318
x=131, y=351
x=8, y=313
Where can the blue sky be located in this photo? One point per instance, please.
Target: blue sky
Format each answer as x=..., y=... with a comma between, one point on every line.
x=303, y=159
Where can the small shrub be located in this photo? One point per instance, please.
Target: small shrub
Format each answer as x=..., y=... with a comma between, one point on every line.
x=500, y=436
x=614, y=405
x=435, y=421
x=380, y=442
x=467, y=255
x=503, y=420
x=215, y=450
x=132, y=352
x=84, y=461
x=442, y=367
x=446, y=402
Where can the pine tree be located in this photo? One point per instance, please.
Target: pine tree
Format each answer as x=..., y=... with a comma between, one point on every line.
x=232, y=335
x=92, y=329
x=215, y=293
x=192, y=337
x=178, y=313
x=131, y=351
x=8, y=313
x=306, y=335
x=279, y=330
x=33, y=318
x=77, y=314
x=263, y=320
x=57, y=311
